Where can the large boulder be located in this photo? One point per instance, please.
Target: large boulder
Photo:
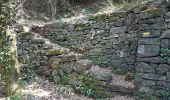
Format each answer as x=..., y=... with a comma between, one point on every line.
x=83, y=65
x=101, y=73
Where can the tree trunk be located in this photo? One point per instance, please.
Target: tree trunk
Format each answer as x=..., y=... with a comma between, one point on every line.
x=8, y=50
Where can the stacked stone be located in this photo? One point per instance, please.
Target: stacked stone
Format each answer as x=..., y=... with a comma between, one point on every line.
x=103, y=38
x=110, y=40
x=152, y=70
x=139, y=38
x=63, y=66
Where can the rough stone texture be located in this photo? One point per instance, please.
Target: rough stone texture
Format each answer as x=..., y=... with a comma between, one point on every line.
x=152, y=71
x=162, y=69
x=101, y=73
x=148, y=50
x=83, y=65
x=123, y=42
x=144, y=67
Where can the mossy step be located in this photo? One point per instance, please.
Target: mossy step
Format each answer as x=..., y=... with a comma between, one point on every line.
x=25, y=35
x=54, y=52
x=38, y=41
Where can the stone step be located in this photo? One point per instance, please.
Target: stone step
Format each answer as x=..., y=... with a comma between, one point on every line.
x=38, y=41
x=115, y=83
x=119, y=84
x=73, y=62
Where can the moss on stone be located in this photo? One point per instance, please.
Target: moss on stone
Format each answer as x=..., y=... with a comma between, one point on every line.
x=54, y=52
x=25, y=34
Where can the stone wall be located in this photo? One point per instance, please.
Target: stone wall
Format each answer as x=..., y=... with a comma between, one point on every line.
x=110, y=40
x=137, y=40
x=58, y=64
x=105, y=39
x=153, y=60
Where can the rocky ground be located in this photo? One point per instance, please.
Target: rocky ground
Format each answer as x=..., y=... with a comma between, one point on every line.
x=39, y=88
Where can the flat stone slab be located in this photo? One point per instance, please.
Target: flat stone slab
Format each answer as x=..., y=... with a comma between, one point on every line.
x=148, y=76
x=148, y=50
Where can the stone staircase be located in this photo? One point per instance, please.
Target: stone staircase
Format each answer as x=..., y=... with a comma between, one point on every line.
x=66, y=67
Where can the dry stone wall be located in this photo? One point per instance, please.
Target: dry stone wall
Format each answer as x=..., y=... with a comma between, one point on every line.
x=137, y=40
x=111, y=40
x=105, y=39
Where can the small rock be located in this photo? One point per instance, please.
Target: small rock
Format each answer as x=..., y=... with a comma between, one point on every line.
x=44, y=70
x=144, y=67
x=162, y=69
x=166, y=35
x=129, y=77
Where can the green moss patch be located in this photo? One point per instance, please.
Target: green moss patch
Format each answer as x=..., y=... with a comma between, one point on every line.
x=25, y=35
x=53, y=52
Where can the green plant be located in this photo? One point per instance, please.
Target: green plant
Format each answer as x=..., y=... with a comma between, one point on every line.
x=25, y=75
x=165, y=53
x=15, y=97
x=100, y=61
x=64, y=79
x=89, y=86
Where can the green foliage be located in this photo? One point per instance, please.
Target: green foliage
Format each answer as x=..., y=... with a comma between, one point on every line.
x=165, y=53
x=64, y=79
x=25, y=76
x=89, y=86
x=15, y=97
x=86, y=84
x=102, y=61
